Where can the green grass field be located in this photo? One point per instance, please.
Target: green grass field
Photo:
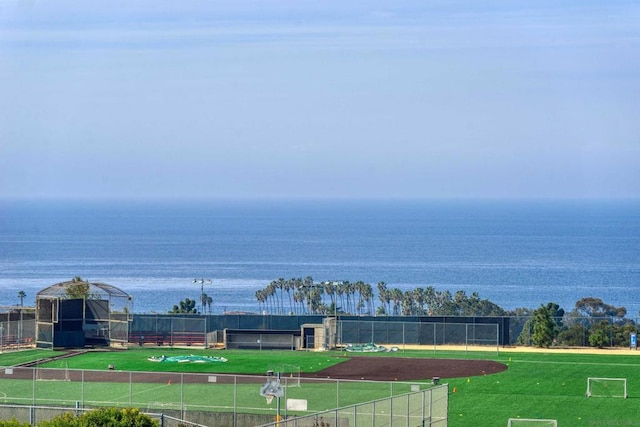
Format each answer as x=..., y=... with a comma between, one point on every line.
x=544, y=385
x=252, y=362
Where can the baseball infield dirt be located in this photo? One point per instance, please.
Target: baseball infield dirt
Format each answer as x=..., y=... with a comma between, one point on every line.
x=405, y=369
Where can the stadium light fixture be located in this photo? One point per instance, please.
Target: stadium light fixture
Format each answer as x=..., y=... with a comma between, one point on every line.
x=202, y=282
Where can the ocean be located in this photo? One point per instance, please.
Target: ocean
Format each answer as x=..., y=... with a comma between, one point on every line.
x=516, y=253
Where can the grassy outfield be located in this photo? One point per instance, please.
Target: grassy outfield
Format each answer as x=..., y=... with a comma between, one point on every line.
x=546, y=385
x=250, y=362
x=16, y=357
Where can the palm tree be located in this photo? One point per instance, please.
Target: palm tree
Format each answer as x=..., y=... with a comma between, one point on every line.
x=330, y=290
x=203, y=302
x=396, y=297
x=385, y=297
x=22, y=295
x=262, y=299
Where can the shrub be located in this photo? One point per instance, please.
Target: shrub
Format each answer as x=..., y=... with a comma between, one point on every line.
x=575, y=335
x=112, y=417
x=13, y=423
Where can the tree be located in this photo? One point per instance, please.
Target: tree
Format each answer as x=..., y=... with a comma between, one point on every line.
x=22, y=295
x=574, y=335
x=332, y=310
x=599, y=334
x=520, y=324
x=543, y=327
x=557, y=313
x=209, y=303
x=77, y=289
x=595, y=307
x=188, y=306
x=206, y=302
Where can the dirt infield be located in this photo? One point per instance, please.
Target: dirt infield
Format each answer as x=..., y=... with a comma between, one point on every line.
x=406, y=369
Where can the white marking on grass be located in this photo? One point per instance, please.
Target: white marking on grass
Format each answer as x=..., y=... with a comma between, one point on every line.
x=126, y=396
x=548, y=362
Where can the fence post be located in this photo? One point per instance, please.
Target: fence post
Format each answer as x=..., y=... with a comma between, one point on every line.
x=171, y=340
x=204, y=326
x=33, y=382
x=82, y=387
x=466, y=338
x=611, y=333
x=430, y=406
x=372, y=331
x=404, y=338
x=235, y=401
x=408, y=415
x=434, y=336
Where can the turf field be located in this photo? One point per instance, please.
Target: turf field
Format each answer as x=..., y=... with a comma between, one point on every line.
x=545, y=385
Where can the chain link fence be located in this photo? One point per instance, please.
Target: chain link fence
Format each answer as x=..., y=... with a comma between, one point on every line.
x=423, y=408
x=413, y=333
x=16, y=334
x=205, y=331
x=207, y=399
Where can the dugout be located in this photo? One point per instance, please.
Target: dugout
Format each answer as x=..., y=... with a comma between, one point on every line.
x=79, y=313
x=262, y=339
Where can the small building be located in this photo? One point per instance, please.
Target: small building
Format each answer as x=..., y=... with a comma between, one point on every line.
x=78, y=313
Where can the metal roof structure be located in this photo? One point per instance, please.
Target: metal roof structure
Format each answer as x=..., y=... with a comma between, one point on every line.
x=95, y=291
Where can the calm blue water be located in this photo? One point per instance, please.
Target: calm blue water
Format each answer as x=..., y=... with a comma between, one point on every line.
x=515, y=253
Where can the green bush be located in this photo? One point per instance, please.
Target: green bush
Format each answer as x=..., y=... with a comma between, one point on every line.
x=13, y=423
x=103, y=417
x=599, y=336
x=576, y=335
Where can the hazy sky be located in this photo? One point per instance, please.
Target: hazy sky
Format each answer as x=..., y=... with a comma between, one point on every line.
x=296, y=98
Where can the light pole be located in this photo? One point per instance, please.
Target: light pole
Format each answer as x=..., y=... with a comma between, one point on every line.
x=202, y=282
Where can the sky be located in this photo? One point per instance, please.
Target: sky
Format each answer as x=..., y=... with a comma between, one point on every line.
x=330, y=99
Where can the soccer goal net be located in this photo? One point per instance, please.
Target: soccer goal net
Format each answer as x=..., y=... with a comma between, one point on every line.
x=44, y=374
x=607, y=387
x=531, y=422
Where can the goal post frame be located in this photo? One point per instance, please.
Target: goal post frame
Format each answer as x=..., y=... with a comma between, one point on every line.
x=622, y=380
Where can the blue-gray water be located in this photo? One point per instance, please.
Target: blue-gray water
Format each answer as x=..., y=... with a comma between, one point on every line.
x=515, y=253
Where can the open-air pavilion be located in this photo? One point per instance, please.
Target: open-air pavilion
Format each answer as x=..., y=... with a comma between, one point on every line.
x=79, y=313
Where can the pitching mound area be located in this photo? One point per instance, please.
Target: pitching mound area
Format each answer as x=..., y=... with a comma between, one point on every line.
x=406, y=369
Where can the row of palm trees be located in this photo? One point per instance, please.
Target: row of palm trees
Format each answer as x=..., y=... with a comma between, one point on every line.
x=431, y=302
x=303, y=296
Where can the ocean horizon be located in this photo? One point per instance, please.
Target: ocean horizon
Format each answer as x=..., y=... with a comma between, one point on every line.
x=516, y=253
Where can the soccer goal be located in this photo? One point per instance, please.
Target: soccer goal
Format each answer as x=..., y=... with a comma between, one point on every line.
x=47, y=374
x=531, y=422
x=607, y=387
